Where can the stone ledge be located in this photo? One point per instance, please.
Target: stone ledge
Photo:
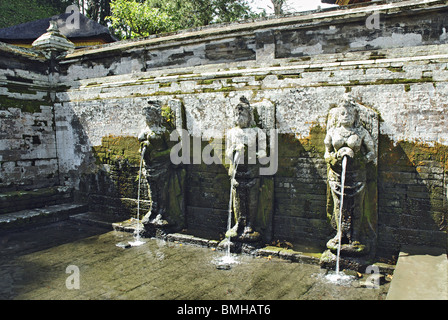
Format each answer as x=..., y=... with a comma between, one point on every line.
x=185, y=238
x=288, y=254
x=27, y=200
x=328, y=16
x=24, y=219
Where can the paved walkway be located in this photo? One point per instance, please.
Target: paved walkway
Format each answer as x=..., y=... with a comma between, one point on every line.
x=69, y=261
x=420, y=274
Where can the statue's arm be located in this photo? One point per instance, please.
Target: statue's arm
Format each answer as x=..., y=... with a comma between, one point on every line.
x=142, y=135
x=330, y=154
x=370, y=147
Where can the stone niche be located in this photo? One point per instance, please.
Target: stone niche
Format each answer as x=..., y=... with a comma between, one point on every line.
x=352, y=192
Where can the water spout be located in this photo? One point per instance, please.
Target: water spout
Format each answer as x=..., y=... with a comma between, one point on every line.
x=338, y=277
x=341, y=205
x=137, y=241
x=227, y=259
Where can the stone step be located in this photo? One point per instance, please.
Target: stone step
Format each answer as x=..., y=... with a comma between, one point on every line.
x=31, y=199
x=97, y=219
x=23, y=219
x=421, y=273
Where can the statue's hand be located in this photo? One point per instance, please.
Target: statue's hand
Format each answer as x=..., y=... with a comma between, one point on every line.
x=371, y=158
x=331, y=158
x=144, y=146
x=142, y=136
x=345, y=151
x=235, y=183
x=239, y=147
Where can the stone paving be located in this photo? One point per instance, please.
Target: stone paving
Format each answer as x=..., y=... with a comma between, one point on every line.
x=33, y=265
x=421, y=274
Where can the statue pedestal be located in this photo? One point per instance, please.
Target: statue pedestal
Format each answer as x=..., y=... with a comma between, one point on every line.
x=243, y=243
x=328, y=261
x=157, y=228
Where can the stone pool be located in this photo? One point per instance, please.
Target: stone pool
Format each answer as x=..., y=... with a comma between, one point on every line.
x=41, y=264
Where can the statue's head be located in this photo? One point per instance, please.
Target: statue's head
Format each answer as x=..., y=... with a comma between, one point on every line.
x=347, y=113
x=243, y=113
x=153, y=113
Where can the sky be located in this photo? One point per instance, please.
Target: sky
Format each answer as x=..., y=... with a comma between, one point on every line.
x=295, y=5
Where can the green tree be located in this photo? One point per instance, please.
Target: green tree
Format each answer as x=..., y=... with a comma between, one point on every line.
x=278, y=6
x=21, y=11
x=98, y=10
x=131, y=19
x=196, y=13
x=137, y=18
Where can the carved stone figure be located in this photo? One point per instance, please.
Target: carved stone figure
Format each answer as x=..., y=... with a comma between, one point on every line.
x=165, y=180
x=348, y=137
x=246, y=142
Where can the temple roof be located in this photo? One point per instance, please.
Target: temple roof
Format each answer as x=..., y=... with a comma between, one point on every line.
x=88, y=30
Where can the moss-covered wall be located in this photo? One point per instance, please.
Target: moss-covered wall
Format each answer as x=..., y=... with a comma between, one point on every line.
x=113, y=186
x=297, y=67
x=411, y=183
x=412, y=194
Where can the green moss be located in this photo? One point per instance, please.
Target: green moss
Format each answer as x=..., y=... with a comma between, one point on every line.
x=144, y=79
x=290, y=76
x=13, y=88
x=411, y=154
x=30, y=106
x=407, y=87
x=166, y=93
x=395, y=69
x=168, y=114
x=315, y=141
x=161, y=153
x=265, y=204
x=375, y=55
x=223, y=89
x=273, y=248
x=316, y=69
x=401, y=81
x=175, y=196
x=206, y=82
x=418, y=161
x=113, y=149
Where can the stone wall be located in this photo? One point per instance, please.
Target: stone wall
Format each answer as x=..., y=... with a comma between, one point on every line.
x=28, y=157
x=301, y=66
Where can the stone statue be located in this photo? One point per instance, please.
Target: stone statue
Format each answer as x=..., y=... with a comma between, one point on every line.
x=245, y=139
x=165, y=180
x=347, y=137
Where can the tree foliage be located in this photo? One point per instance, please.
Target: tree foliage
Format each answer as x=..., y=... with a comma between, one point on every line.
x=21, y=11
x=132, y=18
x=136, y=18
